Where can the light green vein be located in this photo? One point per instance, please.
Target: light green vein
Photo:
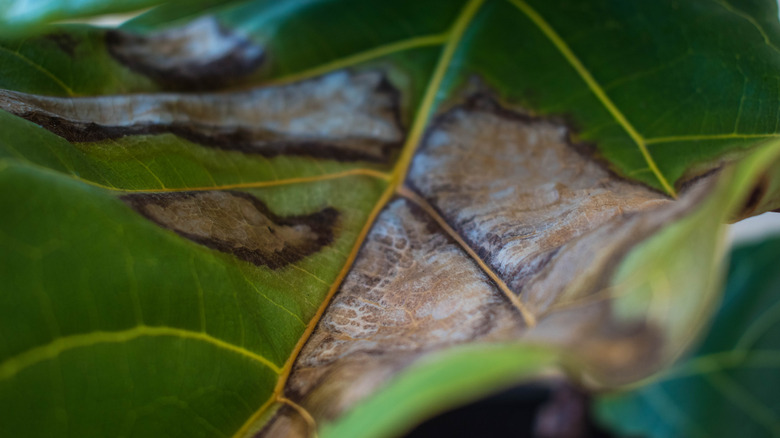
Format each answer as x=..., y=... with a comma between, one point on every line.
x=667, y=408
x=260, y=293
x=759, y=327
x=753, y=408
x=724, y=360
x=451, y=40
x=594, y=86
x=14, y=365
x=377, y=52
x=40, y=68
x=726, y=5
x=22, y=161
x=730, y=136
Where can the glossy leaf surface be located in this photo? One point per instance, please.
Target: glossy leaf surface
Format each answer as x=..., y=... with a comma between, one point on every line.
x=725, y=387
x=184, y=197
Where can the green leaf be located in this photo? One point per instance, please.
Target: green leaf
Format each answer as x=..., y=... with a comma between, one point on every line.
x=726, y=386
x=24, y=17
x=642, y=288
x=251, y=220
x=155, y=322
x=68, y=62
x=441, y=382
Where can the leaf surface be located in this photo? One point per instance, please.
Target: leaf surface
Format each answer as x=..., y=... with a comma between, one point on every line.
x=23, y=17
x=724, y=387
x=612, y=332
x=323, y=194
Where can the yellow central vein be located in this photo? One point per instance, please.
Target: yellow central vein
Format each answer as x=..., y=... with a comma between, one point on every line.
x=528, y=317
x=429, y=98
x=287, y=368
x=418, y=126
x=12, y=366
x=594, y=86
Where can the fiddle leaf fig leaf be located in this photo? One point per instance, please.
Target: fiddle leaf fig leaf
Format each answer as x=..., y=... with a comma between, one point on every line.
x=614, y=326
x=252, y=221
x=25, y=18
x=722, y=388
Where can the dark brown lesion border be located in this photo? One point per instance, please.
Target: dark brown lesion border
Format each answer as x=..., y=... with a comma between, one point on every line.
x=322, y=223
x=140, y=53
x=255, y=140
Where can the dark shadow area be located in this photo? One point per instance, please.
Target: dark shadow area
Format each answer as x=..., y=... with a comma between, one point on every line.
x=538, y=411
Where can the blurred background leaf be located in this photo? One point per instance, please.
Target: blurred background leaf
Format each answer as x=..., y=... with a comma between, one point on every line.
x=729, y=386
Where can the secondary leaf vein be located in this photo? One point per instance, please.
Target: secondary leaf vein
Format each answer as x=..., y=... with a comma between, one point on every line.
x=16, y=364
x=41, y=69
x=594, y=86
x=358, y=58
x=527, y=315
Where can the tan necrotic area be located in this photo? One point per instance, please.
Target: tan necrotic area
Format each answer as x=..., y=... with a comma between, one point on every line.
x=238, y=223
x=342, y=116
x=199, y=55
x=522, y=196
x=412, y=291
x=549, y=220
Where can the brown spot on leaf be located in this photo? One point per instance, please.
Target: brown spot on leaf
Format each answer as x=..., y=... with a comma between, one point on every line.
x=342, y=116
x=411, y=291
x=239, y=224
x=548, y=219
x=518, y=192
x=201, y=55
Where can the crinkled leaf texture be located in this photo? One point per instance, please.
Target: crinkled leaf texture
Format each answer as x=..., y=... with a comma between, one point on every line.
x=282, y=216
x=726, y=387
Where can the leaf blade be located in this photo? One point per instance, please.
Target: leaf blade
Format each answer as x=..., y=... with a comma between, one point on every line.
x=727, y=369
x=155, y=159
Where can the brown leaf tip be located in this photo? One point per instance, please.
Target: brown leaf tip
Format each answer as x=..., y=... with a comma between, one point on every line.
x=239, y=224
x=200, y=55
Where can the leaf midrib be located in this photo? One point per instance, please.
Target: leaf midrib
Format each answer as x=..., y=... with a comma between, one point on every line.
x=441, y=38
x=419, y=123
x=407, y=154
x=451, y=40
